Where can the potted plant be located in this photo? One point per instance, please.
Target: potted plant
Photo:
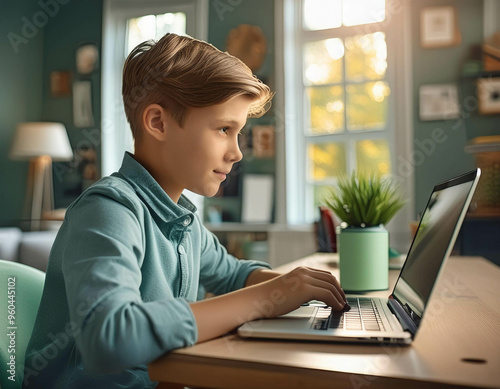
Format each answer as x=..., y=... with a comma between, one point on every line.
x=365, y=203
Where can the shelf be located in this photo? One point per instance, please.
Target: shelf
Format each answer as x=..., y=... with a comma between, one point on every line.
x=484, y=214
x=481, y=74
x=257, y=227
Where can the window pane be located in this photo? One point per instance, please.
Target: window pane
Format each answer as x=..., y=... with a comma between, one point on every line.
x=140, y=30
x=154, y=27
x=327, y=161
x=373, y=156
x=356, y=12
x=326, y=109
x=366, y=57
x=320, y=193
x=322, y=14
x=323, y=61
x=171, y=22
x=367, y=105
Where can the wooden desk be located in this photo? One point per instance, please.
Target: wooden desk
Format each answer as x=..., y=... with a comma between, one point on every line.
x=458, y=345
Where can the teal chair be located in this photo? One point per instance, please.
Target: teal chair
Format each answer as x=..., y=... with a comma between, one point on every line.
x=25, y=285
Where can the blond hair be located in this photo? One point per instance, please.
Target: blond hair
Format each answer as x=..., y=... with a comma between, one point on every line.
x=179, y=73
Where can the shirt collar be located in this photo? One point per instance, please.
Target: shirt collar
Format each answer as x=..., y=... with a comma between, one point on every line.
x=152, y=193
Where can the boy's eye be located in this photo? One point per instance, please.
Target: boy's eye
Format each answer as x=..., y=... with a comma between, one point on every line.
x=224, y=130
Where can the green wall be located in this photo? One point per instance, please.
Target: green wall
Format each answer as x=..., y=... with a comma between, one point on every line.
x=25, y=86
x=225, y=15
x=79, y=22
x=20, y=98
x=444, y=65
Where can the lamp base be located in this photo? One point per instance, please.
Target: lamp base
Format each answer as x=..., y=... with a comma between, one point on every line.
x=40, y=191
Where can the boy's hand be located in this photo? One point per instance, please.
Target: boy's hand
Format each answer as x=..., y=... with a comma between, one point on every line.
x=277, y=296
x=287, y=292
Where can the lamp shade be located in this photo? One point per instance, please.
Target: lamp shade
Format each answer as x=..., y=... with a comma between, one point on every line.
x=35, y=139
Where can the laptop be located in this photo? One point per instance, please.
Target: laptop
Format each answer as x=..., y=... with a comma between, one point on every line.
x=395, y=319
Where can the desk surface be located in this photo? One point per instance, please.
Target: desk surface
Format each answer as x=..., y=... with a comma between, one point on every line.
x=458, y=344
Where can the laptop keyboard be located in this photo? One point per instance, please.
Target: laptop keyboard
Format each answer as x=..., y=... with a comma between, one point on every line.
x=363, y=315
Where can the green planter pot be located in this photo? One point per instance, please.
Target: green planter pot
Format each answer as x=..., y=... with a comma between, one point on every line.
x=363, y=258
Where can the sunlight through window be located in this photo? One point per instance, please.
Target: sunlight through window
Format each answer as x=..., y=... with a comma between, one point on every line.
x=154, y=27
x=325, y=14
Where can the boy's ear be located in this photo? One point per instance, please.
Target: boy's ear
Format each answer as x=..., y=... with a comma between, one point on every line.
x=154, y=121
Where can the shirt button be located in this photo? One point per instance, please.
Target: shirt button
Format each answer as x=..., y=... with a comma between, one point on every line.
x=186, y=222
x=182, y=250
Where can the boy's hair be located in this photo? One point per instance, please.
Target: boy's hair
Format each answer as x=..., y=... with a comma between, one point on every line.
x=179, y=73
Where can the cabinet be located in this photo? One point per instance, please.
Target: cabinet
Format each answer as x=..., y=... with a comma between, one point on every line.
x=275, y=244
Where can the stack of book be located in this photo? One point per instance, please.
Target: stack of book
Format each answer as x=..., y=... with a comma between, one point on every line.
x=325, y=231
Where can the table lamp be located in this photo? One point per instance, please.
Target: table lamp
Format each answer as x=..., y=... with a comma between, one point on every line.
x=40, y=143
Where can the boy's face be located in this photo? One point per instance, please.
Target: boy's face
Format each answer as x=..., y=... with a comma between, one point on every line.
x=201, y=153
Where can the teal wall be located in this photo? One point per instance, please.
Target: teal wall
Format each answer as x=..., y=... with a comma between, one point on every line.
x=78, y=22
x=20, y=99
x=225, y=15
x=25, y=89
x=444, y=65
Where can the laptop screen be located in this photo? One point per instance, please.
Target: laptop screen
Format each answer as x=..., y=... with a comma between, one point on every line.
x=435, y=235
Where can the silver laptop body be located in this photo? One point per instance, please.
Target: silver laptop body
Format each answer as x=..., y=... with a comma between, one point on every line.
x=395, y=319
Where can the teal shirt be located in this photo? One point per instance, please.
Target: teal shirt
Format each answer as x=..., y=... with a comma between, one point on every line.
x=124, y=266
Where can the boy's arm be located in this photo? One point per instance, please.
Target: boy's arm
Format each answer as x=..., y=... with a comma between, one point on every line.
x=279, y=295
x=114, y=328
x=220, y=272
x=261, y=275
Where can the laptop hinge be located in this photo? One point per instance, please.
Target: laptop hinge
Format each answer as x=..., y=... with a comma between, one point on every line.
x=404, y=319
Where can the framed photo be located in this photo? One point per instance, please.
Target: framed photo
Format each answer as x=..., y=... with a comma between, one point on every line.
x=263, y=141
x=438, y=27
x=489, y=95
x=258, y=197
x=439, y=102
x=82, y=104
x=87, y=58
x=60, y=84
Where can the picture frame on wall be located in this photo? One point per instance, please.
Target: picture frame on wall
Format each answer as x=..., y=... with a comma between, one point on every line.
x=60, y=83
x=438, y=102
x=258, y=195
x=263, y=141
x=439, y=27
x=82, y=104
x=489, y=95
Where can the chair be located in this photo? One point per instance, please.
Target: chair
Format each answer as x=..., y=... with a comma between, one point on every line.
x=25, y=285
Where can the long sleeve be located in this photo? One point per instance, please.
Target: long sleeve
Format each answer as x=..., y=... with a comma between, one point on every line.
x=220, y=272
x=114, y=328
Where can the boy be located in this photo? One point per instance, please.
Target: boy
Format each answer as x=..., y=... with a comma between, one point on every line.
x=124, y=273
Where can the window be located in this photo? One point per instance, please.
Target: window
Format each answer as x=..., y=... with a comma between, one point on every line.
x=343, y=95
x=346, y=74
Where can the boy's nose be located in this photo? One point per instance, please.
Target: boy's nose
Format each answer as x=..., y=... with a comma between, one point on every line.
x=234, y=154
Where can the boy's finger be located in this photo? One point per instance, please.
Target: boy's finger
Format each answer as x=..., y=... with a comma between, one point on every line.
x=328, y=298
x=328, y=286
x=329, y=277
